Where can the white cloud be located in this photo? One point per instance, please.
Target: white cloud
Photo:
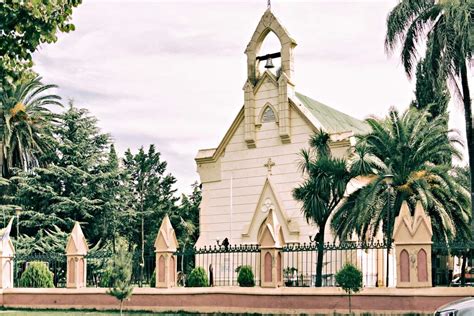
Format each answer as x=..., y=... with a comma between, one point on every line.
x=171, y=72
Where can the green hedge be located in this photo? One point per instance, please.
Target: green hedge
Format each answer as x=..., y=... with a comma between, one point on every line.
x=197, y=278
x=37, y=275
x=245, y=277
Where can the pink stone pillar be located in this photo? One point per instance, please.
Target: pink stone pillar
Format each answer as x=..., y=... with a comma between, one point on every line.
x=412, y=239
x=76, y=250
x=7, y=252
x=166, y=245
x=271, y=241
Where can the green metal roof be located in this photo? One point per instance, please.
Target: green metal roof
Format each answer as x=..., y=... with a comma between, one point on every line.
x=333, y=120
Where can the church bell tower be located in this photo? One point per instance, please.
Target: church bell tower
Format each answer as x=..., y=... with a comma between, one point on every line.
x=282, y=79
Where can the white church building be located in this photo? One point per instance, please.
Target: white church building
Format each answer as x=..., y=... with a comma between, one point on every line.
x=255, y=166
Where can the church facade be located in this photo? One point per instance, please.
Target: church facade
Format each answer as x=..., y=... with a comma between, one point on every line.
x=255, y=167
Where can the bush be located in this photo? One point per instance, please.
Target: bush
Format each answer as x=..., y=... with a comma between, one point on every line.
x=245, y=277
x=198, y=278
x=350, y=279
x=37, y=275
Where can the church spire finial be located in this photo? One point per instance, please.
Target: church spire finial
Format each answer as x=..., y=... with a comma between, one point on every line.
x=269, y=4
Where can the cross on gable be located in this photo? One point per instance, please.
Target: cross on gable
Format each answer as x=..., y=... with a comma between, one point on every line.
x=269, y=165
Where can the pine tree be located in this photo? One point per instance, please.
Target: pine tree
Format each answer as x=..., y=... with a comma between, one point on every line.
x=120, y=273
x=66, y=190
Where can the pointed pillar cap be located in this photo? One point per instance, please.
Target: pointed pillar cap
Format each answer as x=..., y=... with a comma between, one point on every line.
x=271, y=234
x=77, y=244
x=6, y=245
x=166, y=238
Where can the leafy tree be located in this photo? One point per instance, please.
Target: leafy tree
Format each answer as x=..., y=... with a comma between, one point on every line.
x=447, y=28
x=26, y=124
x=404, y=147
x=24, y=26
x=113, y=187
x=66, y=190
x=120, y=274
x=324, y=187
x=349, y=278
x=152, y=196
x=432, y=94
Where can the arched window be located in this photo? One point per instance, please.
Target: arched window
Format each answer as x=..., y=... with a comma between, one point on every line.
x=268, y=115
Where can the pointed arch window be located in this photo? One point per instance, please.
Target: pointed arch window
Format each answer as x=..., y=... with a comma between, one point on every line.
x=268, y=115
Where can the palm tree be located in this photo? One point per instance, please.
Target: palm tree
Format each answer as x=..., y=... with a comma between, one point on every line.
x=447, y=28
x=25, y=124
x=404, y=148
x=323, y=189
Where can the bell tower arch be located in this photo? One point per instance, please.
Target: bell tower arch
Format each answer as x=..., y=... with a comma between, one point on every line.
x=269, y=23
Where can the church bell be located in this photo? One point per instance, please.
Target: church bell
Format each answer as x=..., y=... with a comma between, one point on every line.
x=269, y=64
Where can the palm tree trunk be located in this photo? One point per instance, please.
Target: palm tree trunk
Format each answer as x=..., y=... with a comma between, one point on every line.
x=319, y=266
x=470, y=141
x=463, y=269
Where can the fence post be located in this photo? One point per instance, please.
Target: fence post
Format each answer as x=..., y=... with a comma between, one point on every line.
x=166, y=245
x=271, y=241
x=412, y=239
x=76, y=250
x=7, y=252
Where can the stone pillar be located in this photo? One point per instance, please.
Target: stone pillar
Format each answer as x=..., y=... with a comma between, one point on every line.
x=412, y=240
x=271, y=241
x=76, y=250
x=7, y=252
x=166, y=245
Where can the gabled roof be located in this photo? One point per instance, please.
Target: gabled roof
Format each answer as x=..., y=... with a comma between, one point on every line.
x=319, y=115
x=332, y=120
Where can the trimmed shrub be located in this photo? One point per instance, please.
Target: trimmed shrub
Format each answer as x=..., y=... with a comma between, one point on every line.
x=245, y=277
x=198, y=278
x=36, y=275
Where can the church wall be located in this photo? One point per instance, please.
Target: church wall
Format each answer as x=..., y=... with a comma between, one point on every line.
x=246, y=167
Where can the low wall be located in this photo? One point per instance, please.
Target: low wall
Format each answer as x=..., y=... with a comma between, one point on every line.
x=235, y=299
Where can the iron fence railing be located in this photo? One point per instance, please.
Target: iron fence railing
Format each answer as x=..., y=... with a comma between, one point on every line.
x=56, y=263
x=221, y=263
x=447, y=262
x=300, y=262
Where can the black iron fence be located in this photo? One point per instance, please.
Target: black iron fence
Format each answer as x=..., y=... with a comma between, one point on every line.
x=300, y=262
x=449, y=260
x=221, y=263
x=56, y=263
x=96, y=266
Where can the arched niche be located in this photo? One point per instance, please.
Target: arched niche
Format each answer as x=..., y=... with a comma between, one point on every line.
x=404, y=266
x=268, y=114
x=422, y=266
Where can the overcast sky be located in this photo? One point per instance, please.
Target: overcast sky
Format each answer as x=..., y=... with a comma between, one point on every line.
x=171, y=72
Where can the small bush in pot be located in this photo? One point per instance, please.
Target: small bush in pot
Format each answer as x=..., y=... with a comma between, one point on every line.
x=198, y=278
x=37, y=275
x=245, y=277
